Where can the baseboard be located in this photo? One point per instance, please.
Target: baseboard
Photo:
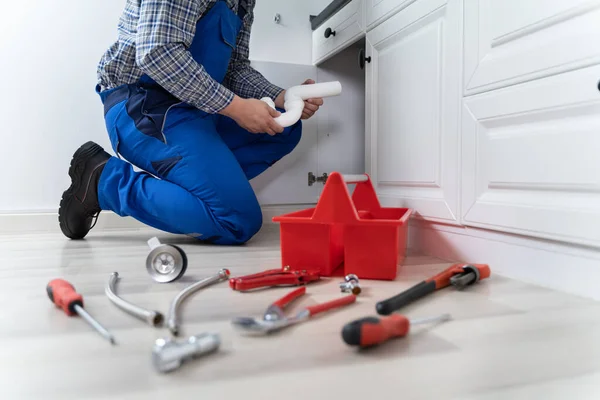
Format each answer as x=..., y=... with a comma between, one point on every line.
x=550, y=264
x=47, y=222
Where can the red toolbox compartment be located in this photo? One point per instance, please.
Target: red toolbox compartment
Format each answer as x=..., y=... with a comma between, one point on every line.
x=369, y=240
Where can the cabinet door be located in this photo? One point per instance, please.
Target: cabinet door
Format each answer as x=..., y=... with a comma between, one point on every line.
x=413, y=102
x=379, y=10
x=530, y=158
x=513, y=41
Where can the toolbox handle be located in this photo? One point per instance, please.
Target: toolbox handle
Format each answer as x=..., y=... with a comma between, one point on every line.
x=352, y=178
x=336, y=205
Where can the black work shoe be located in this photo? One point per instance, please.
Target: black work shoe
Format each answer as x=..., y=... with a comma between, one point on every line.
x=79, y=206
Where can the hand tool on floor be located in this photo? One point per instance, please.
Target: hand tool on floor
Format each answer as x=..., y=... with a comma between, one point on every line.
x=458, y=275
x=172, y=322
x=274, y=277
x=168, y=355
x=165, y=262
x=351, y=284
x=274, y=318
x=154, y=318
x=372, y=331
x=63, y=295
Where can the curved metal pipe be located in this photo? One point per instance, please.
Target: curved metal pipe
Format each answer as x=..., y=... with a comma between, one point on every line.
x=154, y=318
x=172, y=322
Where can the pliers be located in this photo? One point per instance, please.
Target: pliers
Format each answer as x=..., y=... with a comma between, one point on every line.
x=274, y=277
x=274, y=318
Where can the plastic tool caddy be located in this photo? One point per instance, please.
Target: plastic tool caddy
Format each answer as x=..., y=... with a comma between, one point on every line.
x=369, y=240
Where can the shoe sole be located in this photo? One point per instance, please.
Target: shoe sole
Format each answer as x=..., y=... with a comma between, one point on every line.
x=85, y=152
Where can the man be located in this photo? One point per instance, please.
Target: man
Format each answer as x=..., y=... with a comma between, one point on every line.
x=181, y=103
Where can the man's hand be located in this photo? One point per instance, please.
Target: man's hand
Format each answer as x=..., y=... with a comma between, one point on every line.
x=311, y=106
x=253, y=115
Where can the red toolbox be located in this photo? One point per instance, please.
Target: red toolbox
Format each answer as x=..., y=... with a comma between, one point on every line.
x=369, y=240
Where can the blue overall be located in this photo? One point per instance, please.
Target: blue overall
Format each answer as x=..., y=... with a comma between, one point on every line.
x=196, y=166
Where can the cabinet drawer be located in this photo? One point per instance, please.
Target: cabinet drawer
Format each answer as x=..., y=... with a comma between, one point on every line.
x=380, y=10
x=530, y=158
x=348, y=27
x=514, y=41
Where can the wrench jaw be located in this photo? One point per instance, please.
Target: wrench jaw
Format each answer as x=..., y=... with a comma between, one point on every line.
x=258, y=327
x=273, y=313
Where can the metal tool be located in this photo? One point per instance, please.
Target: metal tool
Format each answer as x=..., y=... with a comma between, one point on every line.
x=274, y=319
x=351, y=284
x=372, y=331
x=458, y=275
x=348, y=178
x=63, y=295
x=274, y=277
x=165, y=262
x=168, y=355
x=153, y=318
x=172, y=322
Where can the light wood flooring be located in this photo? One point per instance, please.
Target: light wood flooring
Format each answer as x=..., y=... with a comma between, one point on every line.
x=507, y=339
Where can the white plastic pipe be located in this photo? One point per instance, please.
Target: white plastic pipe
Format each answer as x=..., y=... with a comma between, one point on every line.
x=348, y=178
x=295, y=96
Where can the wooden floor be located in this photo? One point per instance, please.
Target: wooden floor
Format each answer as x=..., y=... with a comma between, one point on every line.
x=507, y=339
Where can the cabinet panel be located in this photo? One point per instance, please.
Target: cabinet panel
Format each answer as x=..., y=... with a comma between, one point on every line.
x=413, y=89
x=513, y=41
x=347, y=24
x=380, y=10
x=530, y=158
x=341, y=120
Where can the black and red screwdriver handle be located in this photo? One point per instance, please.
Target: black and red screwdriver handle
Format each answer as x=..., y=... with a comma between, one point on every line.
x=439, y=281
x=371, y=331
x=63, y=294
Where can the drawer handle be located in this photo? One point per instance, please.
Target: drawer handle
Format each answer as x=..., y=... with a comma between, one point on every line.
x=329, y=32
x=362, y=59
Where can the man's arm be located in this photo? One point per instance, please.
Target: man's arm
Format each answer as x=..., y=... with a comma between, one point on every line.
x=241, y=78
x=164, y=31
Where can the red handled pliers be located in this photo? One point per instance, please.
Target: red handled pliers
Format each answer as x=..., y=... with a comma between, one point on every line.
x=274, y=277
x=274, y=318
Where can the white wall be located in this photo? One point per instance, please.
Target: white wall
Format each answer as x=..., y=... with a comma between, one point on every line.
x=49, y=53
x=291, y=40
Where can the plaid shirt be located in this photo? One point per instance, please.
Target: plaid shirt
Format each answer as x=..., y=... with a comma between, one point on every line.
x=153, y=39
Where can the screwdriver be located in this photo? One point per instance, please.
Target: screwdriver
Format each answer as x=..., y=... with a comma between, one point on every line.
x=63, y=295
x=371, y=331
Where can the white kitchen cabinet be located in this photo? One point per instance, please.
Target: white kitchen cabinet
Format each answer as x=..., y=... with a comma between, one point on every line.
x=530, y=158
x=513, y=41
x=343, y=29
x=413, y=104
x=378, y=11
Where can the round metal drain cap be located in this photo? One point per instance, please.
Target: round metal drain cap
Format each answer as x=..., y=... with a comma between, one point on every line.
x=166, y=263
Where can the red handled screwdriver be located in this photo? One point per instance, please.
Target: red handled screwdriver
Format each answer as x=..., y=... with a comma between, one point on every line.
x=63, y=295
x=371, y=331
